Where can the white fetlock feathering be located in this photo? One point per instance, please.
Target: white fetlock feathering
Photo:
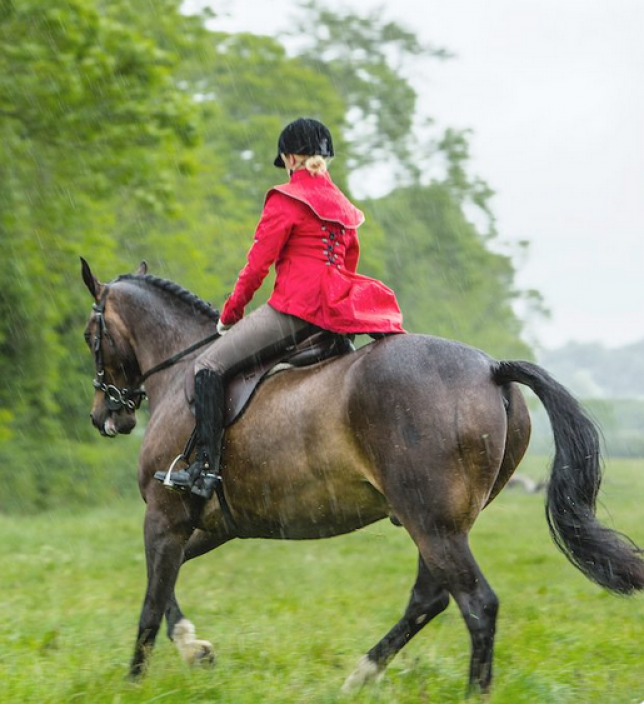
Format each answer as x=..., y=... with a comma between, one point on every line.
x=190, y=648
x=367, y=671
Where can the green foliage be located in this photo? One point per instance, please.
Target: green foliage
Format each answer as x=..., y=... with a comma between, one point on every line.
x=39, y=476
x=80, y=84
x=88, y=110
x=448, y=282
x=366, y=59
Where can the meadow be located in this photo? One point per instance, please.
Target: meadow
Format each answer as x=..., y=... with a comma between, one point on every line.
x=290, y=620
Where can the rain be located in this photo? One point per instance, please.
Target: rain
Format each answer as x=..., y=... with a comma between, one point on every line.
x=495, y=154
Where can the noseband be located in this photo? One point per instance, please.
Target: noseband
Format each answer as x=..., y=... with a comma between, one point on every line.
x=118, y=398
x=115, y=398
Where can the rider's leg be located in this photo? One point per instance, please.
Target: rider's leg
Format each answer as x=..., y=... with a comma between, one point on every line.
x=209, y=402
x=261, y=335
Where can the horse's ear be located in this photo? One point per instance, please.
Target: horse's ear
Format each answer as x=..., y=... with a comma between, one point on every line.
x=143, y=268
x=92, y=283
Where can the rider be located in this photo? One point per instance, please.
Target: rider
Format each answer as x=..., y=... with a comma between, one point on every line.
x=308, y=230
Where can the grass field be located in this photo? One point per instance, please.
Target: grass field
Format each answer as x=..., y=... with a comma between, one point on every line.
x=290, y=620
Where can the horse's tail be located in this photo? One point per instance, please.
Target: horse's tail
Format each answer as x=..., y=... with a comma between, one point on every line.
x=575, y=477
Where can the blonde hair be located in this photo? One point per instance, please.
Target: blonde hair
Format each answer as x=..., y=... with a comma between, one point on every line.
x=314, y=164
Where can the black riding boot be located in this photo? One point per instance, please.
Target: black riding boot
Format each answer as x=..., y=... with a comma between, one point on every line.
x=203, y=474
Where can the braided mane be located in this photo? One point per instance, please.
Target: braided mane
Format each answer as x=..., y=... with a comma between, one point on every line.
x=179, y=292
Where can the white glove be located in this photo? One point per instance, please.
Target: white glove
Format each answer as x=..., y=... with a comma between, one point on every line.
x=221, y=328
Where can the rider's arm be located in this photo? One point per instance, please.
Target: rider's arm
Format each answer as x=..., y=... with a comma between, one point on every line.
x=272, y=231
x=352, y=253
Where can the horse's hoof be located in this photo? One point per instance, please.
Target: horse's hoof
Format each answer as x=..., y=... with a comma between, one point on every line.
x=136, y=673
x=202, y=653
x=367, y=671
x=193, y=651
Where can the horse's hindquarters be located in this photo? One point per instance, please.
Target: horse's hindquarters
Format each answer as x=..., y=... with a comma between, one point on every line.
x=434, y=422
x=518, y=436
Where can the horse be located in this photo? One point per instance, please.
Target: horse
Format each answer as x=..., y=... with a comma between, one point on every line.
x=420, y=429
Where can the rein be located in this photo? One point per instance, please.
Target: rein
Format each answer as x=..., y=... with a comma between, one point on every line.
x=176, y=357
x=131, y=399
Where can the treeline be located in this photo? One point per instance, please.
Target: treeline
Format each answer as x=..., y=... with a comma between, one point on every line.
x=595, y=371
x=621, y=422
x=130, y=131
x=611, y=383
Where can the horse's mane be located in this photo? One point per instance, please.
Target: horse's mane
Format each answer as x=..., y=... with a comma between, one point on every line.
x=176, y=290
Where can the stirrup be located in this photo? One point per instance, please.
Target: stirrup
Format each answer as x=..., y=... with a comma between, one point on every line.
x=205, y=484
x=180, y=480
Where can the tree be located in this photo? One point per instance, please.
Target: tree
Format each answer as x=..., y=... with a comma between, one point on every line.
x=366, y=59
x=448, y=282
x=88, y=110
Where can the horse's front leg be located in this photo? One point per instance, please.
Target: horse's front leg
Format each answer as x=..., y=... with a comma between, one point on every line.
x=181, y=630
x=164, y=550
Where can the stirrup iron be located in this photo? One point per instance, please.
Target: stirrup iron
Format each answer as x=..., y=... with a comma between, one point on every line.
x=166, y=477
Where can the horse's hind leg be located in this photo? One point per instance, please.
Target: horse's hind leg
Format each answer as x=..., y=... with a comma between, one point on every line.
x=451, y=562
x=181, y=630
x=428, y=599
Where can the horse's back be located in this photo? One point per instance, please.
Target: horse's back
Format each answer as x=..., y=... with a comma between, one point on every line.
x=414, y=354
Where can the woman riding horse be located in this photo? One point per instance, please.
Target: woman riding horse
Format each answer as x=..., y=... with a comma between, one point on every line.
x=308, y=229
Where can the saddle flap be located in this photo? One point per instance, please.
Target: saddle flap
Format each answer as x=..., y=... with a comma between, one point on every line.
x=241, y=387
x=312, y=350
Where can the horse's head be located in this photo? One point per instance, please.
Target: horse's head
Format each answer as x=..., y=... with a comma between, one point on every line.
x=117, y=371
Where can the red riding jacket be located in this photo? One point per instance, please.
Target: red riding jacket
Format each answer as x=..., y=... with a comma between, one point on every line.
x=308, y=229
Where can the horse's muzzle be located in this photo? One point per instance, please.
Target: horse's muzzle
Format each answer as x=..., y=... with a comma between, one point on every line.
x=112, y=424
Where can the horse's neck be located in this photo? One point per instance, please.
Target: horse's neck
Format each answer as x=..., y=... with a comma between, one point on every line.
x=159, y=331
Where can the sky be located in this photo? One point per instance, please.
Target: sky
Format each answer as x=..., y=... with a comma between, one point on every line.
x=553, y=91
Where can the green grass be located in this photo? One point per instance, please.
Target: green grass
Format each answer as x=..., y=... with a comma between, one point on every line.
x=290, y=620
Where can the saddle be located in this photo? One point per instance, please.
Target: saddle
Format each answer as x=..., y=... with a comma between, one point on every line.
x=314, y=349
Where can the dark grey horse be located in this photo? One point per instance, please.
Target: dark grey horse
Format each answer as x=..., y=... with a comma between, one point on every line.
x=424, y=430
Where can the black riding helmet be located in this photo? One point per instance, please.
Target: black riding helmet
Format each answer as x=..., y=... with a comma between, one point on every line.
x=304, y=136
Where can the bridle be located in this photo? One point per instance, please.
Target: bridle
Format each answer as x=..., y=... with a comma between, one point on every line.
x=115, y=398
x=123, y=398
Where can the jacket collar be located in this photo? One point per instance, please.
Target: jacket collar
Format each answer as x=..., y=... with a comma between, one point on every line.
x=324, y=198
